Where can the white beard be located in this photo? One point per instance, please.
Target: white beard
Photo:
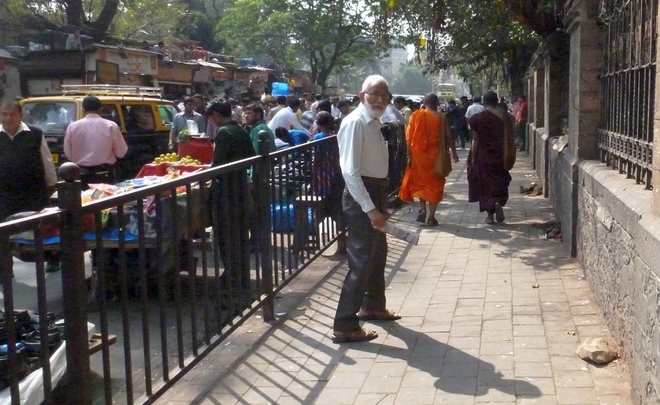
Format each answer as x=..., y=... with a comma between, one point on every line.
x=371, y=111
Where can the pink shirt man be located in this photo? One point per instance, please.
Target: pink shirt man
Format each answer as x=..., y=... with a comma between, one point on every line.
x=94, y=141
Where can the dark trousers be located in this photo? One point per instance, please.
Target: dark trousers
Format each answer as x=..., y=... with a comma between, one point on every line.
x=231, y=224
x=364, y=285
x=97, y=174
x=463, y=137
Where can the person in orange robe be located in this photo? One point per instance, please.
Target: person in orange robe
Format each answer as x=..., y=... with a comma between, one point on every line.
x=426, y=128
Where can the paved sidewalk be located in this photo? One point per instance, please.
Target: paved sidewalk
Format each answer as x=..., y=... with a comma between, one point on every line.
x=491, y=314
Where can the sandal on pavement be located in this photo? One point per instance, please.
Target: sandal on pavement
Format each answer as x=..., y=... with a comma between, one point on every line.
x=422, y=216
x=432, y=222
x=499, y=212
x=490, y=220
x=384, y=315
x=357, y=335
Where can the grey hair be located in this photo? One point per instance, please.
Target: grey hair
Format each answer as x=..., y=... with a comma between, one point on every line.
x=373, y=80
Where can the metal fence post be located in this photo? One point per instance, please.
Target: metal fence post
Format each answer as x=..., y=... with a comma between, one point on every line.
x=73, y=286
x=264, y=238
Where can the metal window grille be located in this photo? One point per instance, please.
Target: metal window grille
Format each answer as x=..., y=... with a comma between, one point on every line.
x=625, y=135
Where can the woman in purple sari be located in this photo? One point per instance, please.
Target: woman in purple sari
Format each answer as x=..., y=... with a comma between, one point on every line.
x=488, y=175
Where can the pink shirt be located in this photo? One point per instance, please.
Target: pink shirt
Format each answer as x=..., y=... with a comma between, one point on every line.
x=93, y=141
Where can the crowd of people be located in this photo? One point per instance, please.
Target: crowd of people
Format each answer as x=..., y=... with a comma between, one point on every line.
x=431, y=143
x=357, y=168
x=357, y=188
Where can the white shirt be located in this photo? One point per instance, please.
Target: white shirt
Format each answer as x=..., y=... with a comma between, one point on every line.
x=392, y=115
x=335, y=112
x=46, y=158
x=474, y=109
x=285, y=118
x=362, y=152
x=73, y=42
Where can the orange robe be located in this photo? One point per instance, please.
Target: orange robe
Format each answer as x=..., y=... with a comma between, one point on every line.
x=425, y=130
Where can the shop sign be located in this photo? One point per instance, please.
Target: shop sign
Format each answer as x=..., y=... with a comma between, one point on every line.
x=176, y=72
x=107, y=72
x=221, y=74
x=243, y=76
x=129, y=61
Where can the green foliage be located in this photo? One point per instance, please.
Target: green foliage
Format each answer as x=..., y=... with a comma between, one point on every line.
x=149, y=20
x=474, y=35
x=321, y=36
x=198, y=26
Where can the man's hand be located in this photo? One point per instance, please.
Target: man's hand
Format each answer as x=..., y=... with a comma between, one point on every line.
x=378, y=220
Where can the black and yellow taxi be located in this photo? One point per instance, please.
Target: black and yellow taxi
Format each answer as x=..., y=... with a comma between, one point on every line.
x=143, y=116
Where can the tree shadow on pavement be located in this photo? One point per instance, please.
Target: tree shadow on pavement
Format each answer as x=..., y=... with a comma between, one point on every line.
x=455, y=371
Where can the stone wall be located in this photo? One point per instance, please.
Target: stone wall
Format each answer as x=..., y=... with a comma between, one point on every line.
x=540, y=157
x=618, y=245
x=562, y=187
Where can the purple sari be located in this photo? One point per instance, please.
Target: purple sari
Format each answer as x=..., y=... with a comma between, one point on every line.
x=488, y=180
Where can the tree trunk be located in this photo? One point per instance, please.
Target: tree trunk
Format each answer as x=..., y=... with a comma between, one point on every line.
x=322, y=77
x=104, y=19
x=74, y=12
x=518, y=66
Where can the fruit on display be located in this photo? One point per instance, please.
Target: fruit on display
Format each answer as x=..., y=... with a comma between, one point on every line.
x=184, y=136
x=188, y=161
x=167, y=158
x=174, y=158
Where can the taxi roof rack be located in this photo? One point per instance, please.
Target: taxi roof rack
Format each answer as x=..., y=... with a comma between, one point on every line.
x=110, y=90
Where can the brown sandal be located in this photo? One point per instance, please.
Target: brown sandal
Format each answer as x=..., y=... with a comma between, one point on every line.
x=421, y=217
x=358, y=335
x=432, y=222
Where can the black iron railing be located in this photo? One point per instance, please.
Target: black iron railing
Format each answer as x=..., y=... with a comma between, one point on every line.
x=165, y=272
x=625, y=135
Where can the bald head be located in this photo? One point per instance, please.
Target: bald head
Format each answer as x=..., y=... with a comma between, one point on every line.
x=373, y=81
x=431, y=102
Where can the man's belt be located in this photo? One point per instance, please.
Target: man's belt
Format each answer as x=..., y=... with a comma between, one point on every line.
x=375, y=182
x=97, y=169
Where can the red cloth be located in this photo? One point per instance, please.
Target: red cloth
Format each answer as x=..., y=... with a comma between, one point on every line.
x=160, y=169
x=522, y=114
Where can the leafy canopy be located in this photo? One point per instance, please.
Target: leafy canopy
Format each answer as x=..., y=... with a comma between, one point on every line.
x=321, y=36
x=475, y=35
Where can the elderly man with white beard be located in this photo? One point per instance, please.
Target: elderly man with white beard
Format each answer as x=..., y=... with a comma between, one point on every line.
x=364, y=162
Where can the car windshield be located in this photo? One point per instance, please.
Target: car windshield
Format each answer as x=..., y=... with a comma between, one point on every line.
x=49, y=116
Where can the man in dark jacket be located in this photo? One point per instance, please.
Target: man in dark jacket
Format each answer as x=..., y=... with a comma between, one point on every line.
x=457, y=122
x=27, y=173
x=231, y=197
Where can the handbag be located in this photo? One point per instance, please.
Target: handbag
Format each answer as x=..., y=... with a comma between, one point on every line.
x=442, y=166
x=509, y=144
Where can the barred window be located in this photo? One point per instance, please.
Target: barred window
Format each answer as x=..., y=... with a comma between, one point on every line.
x=625, y=134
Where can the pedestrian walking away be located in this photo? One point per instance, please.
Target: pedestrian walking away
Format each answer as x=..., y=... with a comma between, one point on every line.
x=428, y=132
x=490, y=159
x=363, y=158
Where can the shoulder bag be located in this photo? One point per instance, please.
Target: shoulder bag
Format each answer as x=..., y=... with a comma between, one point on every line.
x=442, y=166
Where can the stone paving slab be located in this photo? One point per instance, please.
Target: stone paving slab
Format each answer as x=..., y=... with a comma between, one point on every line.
x=491, y=314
